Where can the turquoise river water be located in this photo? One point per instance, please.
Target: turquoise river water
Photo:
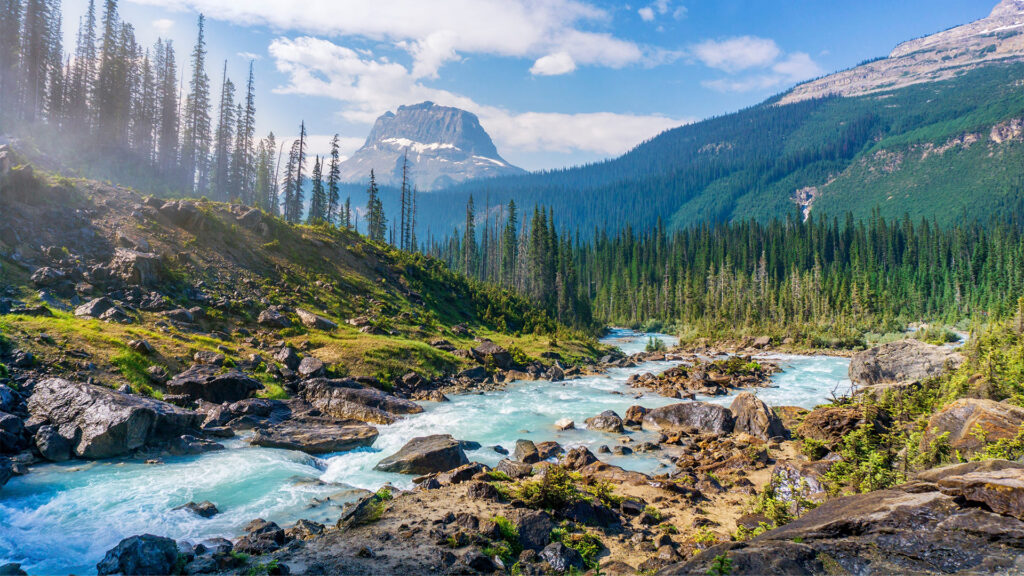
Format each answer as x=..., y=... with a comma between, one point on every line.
x=62, y=518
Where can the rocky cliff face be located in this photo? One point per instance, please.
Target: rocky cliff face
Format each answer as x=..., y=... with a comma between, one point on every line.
x=444, y=146
x=999, y=37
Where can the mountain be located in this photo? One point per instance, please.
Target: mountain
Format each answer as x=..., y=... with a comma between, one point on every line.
x=930, y=142
x=1000, y=37
x=444, y=145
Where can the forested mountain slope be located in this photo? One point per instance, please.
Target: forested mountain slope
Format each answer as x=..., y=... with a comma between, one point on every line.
x=949, y=150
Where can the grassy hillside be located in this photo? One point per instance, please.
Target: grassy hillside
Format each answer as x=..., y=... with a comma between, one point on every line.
x=927, y=150
x=232, y=263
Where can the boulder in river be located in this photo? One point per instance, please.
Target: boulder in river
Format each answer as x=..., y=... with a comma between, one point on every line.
x=12, y=433
x=206, y=382
x=204, y=509
x=526, y=451
x=754, y=417
x=607, y=421
x=145, y=554
x=901, y=361
x=425, y=455
x=51, y=445
x=102, y=423
x=315, y=437
x=348, y=400
x=911, y=529
x=703, y=416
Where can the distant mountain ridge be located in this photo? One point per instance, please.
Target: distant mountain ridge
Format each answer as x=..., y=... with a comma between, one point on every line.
x=1000, y=36
x=444, y=146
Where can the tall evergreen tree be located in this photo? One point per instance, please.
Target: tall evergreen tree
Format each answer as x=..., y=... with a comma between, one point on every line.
x=333, y=181
x=242, y=172
x=318, y=196
x=83, y=73
x=10, y=54
x=376, y=222
x=469, y=240
x=196, y=136
x=167, y=108
x=220, y=185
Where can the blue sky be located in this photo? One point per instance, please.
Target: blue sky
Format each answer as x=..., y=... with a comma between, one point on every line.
x=555, y=82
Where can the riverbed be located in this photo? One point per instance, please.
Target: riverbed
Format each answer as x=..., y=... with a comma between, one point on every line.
x=61, y=518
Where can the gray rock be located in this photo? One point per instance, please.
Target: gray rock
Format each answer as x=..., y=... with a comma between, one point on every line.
x=146, y=554
x=12, y=431
x=901, y=361
x=209, y=357
x=287, y=356
x=51, y=445
x=514, y=469
x=561, y=557
x=700, y=415
x=94, y=308
x=534, y=529
x=526, y=451
x=273, y=319
x=489, y=353
x=754, y=417
x=348, y=400
x=311, y=320
x=315, y=438
x=205, y=382
x=136, y=268
x=102, y=423
x=6, y=470
x=204, y=509
x=9, y=399
x=311, y=367
x=607, y=421
x=425, y=455
x=47, y=276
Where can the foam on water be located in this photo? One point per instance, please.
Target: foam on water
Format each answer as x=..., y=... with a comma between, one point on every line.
x=62, y=518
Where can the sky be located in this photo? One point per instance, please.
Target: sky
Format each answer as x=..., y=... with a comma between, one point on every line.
x=554, y=82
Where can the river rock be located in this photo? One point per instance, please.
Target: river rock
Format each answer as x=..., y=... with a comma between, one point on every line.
x=565, y=424
x=578, y=458
x=534, y=529
x=963, y=418
x=700, y=415
x=634, y=416
x=348, y=400
x=12, y=433
x=146, y=554
x=607, y=421
x=261, y=537
x=912, y=529
x=754, y=417
x=311, y=320
x=204, y=509
x=526, y=451
x=514, y=469
x=316, y=437
x=205, y=382
x=6, y=470
x=901, y=361
x=489, y=353
x=828, y=424
x=425, y=455
x=51, y=445
x=102, y=423
x=287, y=356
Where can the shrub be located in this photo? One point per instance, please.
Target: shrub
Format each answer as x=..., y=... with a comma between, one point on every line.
x=552, y=491
x=588, y=545
x=508, y=550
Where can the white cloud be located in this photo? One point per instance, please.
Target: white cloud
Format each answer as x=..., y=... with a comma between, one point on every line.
x=735, y=54
x=163, y=25
x=439, y=31
x=646, y=13
x=798, y=66
x=250, y=55
x=680, y=13
x=367, y=87
x=320, y=145
x=553, y=65
x=661, y=8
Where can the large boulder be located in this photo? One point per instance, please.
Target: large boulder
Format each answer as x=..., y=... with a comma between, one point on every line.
x=901, y=361
x=315, y=437
x=146, y=554
x=94, y=308
x=311, y=320
x=206, y=382
x=102, y=423
x=607, y=421
x=912, y=529
x=490, y=353
x=272, y=318
x=51, y=445
x=6, y=470
x=972, y=423
x=426, y=455
x=754, y=417
x=136, y=268
x=699, y=415
x=828, y=424
x=348, y=400
x=12, y=433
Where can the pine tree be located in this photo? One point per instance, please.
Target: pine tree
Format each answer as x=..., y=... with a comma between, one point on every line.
x=196, y=137
x=144, y=112
x=294, y=195
x=220, y=185
x=10, y=54
x=83, y=73
x=318, y=197
x=242, y=160
x=55, y=85
x=167, y=108
x=469, y=240
x=36, y=44
x=509, y=244
x=333, y=180
x=377, y=223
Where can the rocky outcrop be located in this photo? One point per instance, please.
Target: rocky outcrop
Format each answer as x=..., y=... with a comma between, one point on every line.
x=755, y=417
x=146, y=554
x=971, y=423
x=425, y=455
x=136, y=268
x=490, y=354
x=207, y=382
x=311, y=320
x=349, y=400
x=700, y=416
x=94, y=308
x=102, y=423
x=917, y=528
x=272, y=318
x=901, y=361
x=315, y=437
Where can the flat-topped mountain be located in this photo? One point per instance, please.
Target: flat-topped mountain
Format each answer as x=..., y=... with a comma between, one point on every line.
x=444, y=146
x=939, y=56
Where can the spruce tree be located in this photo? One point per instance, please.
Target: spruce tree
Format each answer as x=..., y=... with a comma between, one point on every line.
x=318, y=197
x=333, y=181
x=220, y=185
x=196, y=136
